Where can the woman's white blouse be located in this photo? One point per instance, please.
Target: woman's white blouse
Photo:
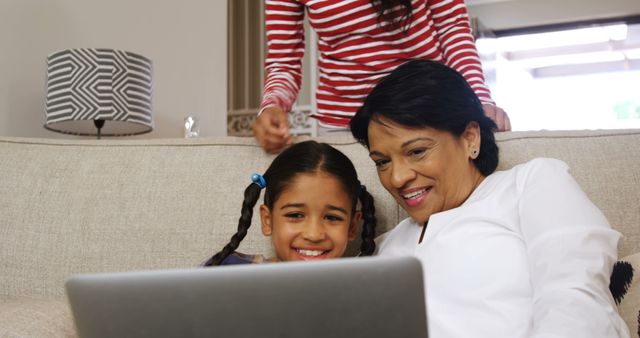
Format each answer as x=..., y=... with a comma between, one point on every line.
x=526, y=255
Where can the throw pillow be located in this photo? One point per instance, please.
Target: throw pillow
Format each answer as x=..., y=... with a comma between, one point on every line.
x=625, y=288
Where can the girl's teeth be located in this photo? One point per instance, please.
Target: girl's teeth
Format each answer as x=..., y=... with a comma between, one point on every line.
x=312, y=253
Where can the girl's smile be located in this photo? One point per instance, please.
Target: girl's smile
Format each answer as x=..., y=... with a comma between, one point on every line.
x=308, y=255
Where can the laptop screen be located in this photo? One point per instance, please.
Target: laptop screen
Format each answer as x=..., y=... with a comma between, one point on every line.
x=348, y=297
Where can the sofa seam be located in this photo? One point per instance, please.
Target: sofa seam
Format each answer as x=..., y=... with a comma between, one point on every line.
x=515, y=138
x=350, y=142
x=216, y=144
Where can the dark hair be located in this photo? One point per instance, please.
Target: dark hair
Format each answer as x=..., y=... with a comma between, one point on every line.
x=304, y=157
x=385, y=9
x=422, y=93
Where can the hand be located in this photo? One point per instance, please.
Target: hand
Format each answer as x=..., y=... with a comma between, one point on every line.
x=271, y=130
x=498, y=115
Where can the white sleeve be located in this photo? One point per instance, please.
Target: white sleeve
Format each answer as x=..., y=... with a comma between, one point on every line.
x=571, y=250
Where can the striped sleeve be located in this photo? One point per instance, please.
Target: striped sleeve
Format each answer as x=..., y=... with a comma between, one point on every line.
x=285, y=50
x=452, y=24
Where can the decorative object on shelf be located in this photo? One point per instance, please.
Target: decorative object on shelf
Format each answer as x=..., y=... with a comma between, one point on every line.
x=301, y=122
x=191, y=127
x=239, y=123
x=97, y=91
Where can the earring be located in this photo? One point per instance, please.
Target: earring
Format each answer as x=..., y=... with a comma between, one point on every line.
x=474, y=153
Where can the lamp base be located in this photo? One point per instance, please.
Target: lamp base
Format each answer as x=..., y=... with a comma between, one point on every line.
x=99, y=124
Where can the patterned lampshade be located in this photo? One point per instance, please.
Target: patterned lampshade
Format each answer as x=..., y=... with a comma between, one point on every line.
x=99, y=92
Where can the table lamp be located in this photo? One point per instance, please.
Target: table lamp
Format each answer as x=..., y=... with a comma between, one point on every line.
x=97, y=91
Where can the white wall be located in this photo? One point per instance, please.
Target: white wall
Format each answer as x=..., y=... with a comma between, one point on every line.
x=186, y=41
x=507, y=14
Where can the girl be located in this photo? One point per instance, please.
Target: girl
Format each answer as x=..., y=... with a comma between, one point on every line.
x=359, y=42
x=309, y=210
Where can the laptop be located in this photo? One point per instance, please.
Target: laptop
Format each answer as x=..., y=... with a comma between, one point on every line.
x=348, y=297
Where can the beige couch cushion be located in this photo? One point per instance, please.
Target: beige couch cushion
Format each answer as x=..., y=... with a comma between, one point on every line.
x=71, y=206
x=33, y=318
x=85, y=206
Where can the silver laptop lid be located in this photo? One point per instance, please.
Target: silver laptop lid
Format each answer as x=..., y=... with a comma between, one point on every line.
x=349, y=297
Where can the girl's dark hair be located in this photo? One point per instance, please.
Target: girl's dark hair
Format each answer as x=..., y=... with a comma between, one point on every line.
x=386, y=12
x=422, y=93
x=304, y=157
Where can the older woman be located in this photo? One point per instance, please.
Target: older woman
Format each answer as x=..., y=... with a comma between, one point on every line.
x=516, y=253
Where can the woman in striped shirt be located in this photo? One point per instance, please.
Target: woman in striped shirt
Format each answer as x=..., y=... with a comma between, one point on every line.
x=359, y=42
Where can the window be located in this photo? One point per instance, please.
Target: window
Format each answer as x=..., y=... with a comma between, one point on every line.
x=583, y=78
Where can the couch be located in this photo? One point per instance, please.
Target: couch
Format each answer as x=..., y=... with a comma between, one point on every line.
x=81, y=206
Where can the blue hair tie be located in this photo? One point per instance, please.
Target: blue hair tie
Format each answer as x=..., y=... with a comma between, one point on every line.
x=258, y=180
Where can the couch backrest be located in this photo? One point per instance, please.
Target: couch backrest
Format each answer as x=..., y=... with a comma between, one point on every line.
x=108, y=205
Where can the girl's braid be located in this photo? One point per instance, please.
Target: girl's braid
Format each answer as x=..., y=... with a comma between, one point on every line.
x=251, y=195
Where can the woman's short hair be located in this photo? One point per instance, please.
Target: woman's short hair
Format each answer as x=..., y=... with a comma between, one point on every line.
x=422, y=93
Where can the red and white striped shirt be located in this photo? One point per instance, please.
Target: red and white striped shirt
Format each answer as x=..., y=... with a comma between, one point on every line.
x=356, y=50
